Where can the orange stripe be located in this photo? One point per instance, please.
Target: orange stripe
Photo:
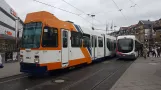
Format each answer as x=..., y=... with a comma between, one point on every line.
x=85, y=51
x=77, y=62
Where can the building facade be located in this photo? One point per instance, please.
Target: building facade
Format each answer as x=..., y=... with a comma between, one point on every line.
x=10, y=25
x=157, y=28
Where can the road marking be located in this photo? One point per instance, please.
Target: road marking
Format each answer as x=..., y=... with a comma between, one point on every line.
x=12, y=79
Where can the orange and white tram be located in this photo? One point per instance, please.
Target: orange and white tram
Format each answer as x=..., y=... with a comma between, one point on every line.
x=49, y=44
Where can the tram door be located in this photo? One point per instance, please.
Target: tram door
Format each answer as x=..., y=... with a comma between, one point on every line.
x=94, y=47
x=65, y=48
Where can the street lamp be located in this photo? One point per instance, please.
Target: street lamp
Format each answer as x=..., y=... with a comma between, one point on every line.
x=92, y=15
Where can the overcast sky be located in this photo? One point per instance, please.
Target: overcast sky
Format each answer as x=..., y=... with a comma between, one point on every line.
x=105, y=10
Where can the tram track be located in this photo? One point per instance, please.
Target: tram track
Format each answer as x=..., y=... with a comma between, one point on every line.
x=12, y=78
x=80, y=83
x=97, y=84
x=80, y=78
x=108, y=77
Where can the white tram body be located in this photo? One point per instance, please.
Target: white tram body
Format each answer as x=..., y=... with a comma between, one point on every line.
x=128, y=46
x=49, y=44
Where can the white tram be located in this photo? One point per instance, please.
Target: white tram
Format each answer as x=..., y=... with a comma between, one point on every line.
x=128, y=46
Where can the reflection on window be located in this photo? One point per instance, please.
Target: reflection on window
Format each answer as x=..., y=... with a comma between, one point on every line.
x=65, y=38
x=50, y=37
x=31, y=35
x=100, y=41
x=76, y=39
x=125, y=45
x=95, y=41
x=108, y=43
x=92, y=41
x=86, y=41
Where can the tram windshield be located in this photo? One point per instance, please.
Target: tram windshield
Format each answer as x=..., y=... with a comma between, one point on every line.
x=125, y=45
x=31, y=35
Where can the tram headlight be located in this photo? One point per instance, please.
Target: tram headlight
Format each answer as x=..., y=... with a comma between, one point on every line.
x=21, y=58
x=36, y=60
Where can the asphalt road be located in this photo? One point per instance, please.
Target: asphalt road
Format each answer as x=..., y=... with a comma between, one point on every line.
x=97, y=76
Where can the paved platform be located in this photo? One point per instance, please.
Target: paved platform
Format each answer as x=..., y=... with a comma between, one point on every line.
x=10, y=69
x=141, y=75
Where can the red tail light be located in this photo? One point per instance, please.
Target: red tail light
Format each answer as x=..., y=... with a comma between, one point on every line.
x=118, y=52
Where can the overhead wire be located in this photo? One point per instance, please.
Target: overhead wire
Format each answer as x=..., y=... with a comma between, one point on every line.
x=119, y=9
x=135, y=4
x=62, y=10
x=73, y=6
x=55, y=7
x=79, y=10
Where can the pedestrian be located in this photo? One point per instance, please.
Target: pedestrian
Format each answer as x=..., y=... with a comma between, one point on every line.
x=153, y=52
x=149, y=51
x=1, y=63
x=158, y=51
x=145, y=52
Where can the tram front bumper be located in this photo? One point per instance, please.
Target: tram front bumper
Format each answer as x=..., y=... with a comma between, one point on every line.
x=125, y=56
x=32, y=68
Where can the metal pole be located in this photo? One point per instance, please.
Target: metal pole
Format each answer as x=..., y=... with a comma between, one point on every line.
x=15, y=32
x=92, y=22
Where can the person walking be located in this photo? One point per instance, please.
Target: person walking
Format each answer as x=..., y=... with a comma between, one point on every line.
x=158, y=51
x=155, y=50
x=145, y=52
x=1, y=63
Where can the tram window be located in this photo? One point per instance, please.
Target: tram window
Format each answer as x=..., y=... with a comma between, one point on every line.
x=114, y=44
x=108, y=43
x=65, y=39
x=91, y=41
x=86, y=41
x=50, y=37
x=76, y=39
x=100, y=41
x=95, y=41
